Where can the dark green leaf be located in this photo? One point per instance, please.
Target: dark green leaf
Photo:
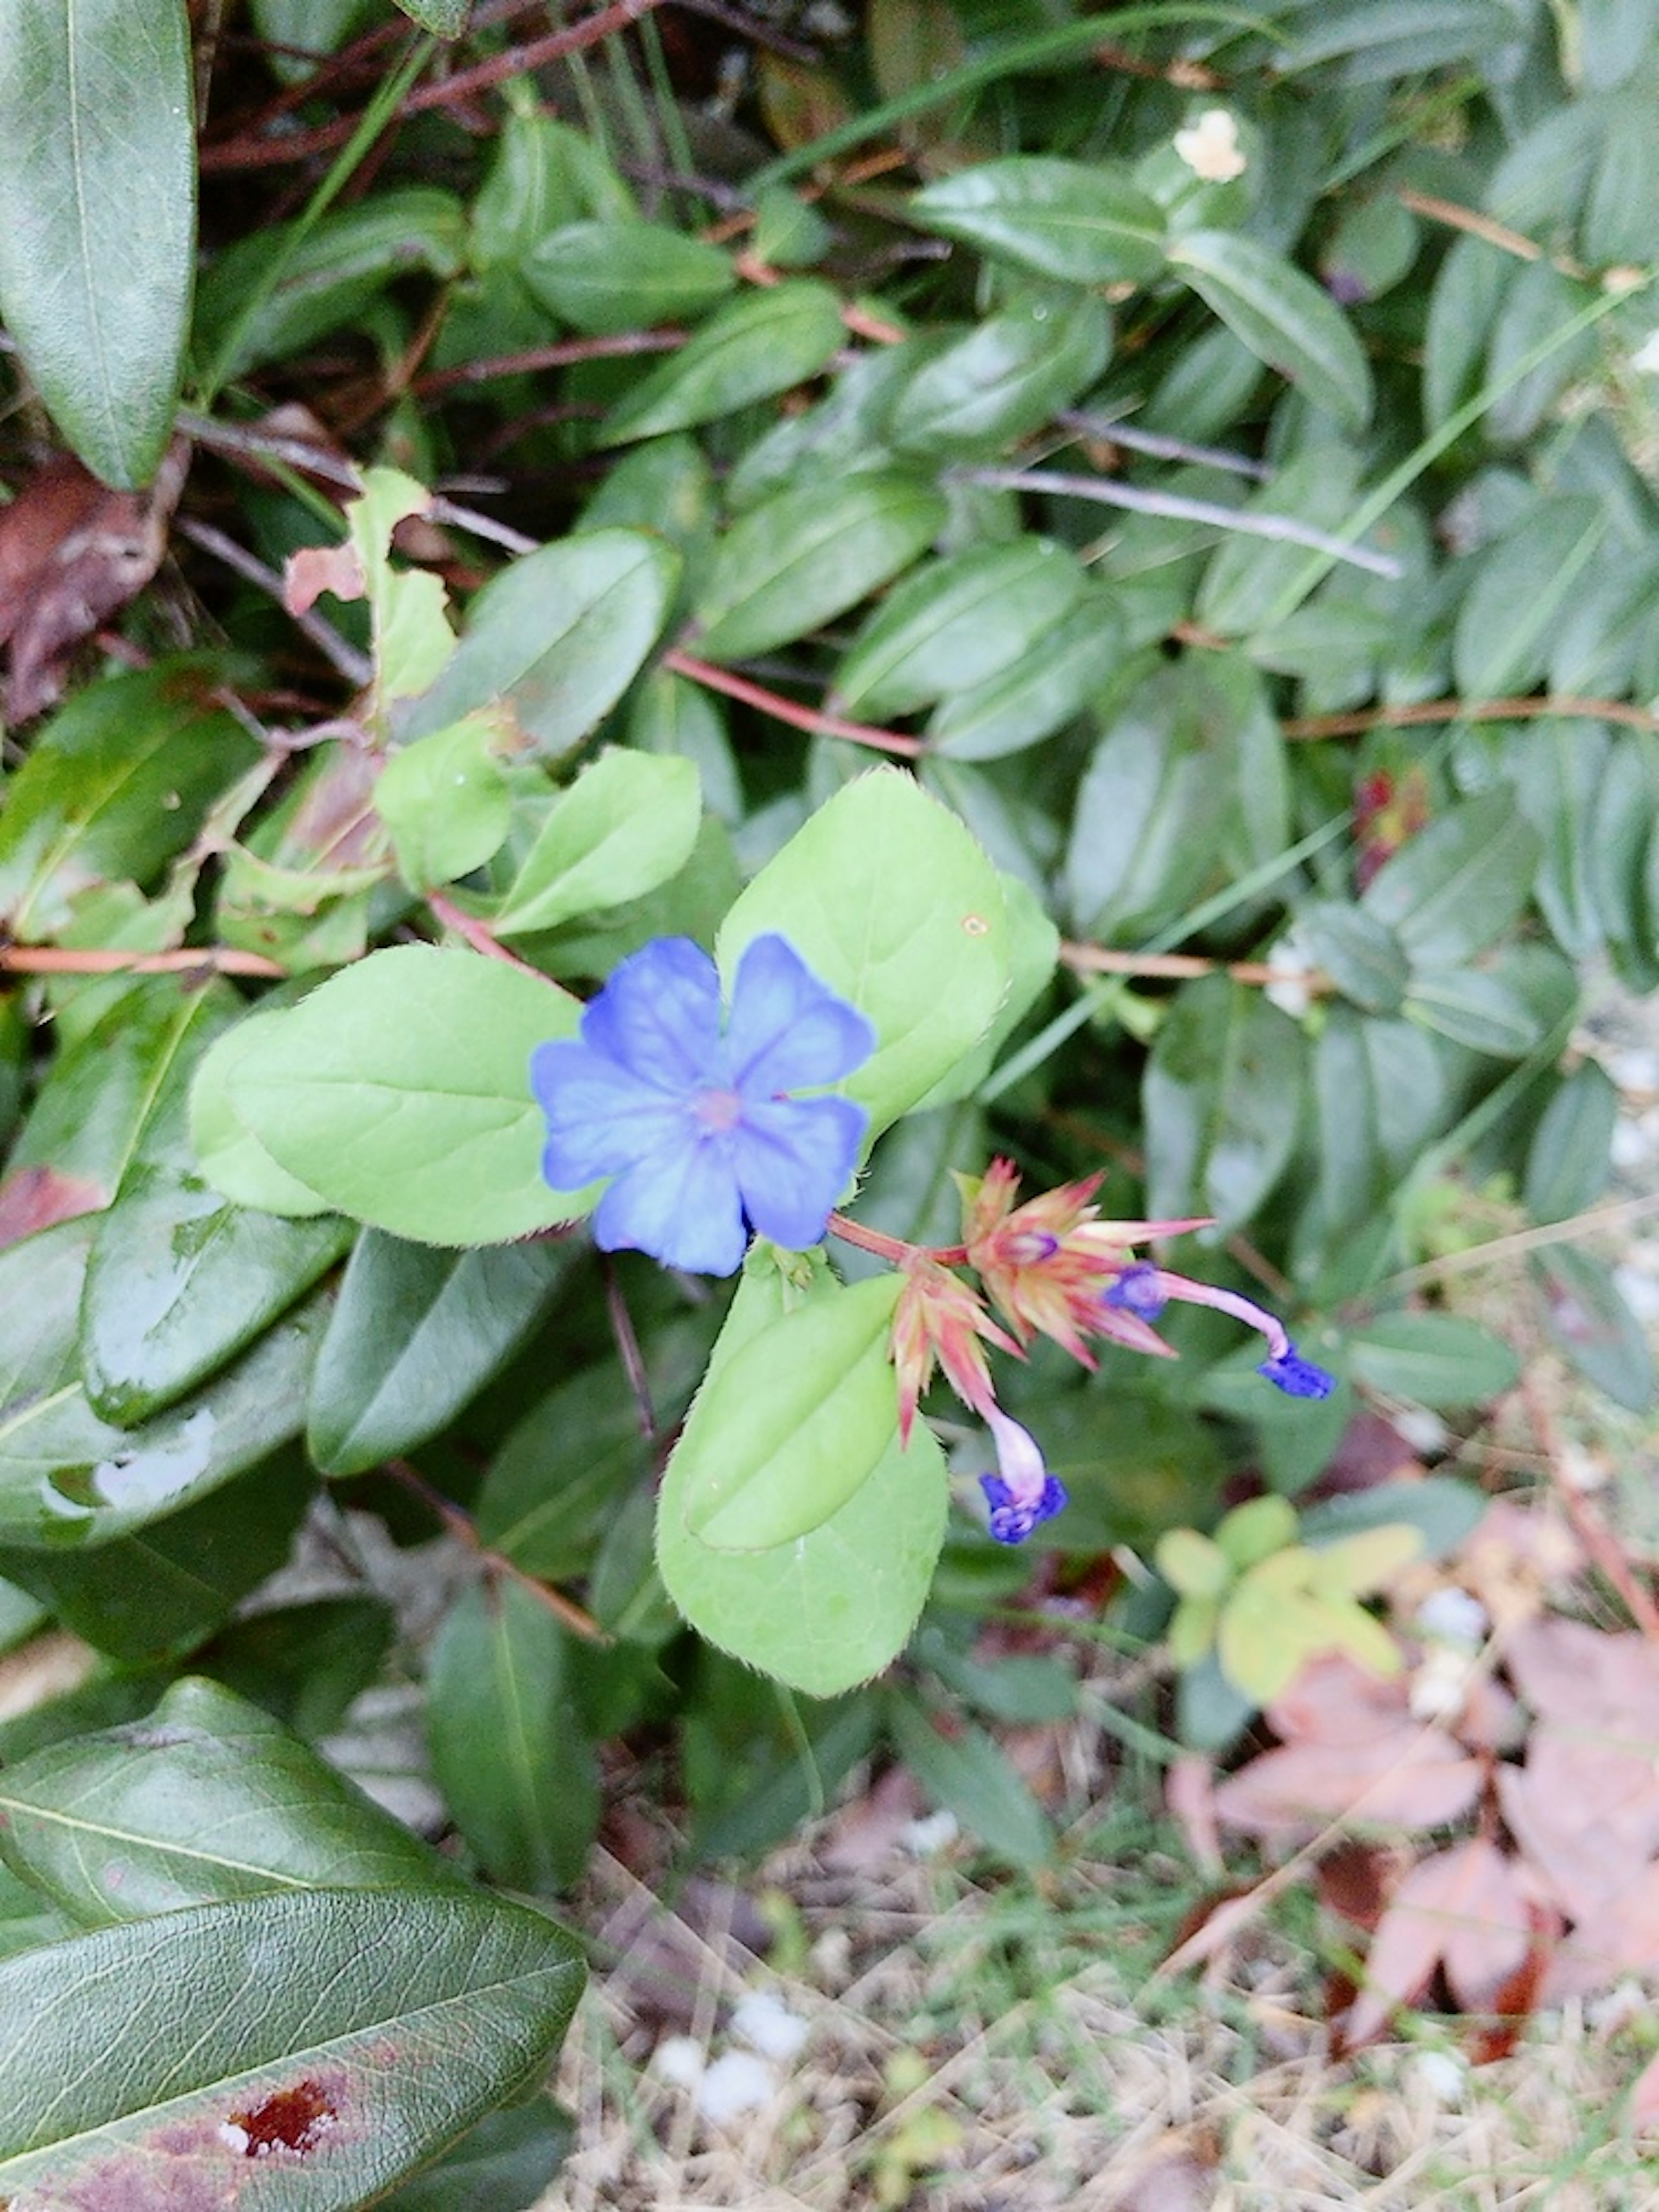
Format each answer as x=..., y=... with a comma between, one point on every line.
x=601, y=276
x=304, y=1663
x=416, y=1332
x=114, y=786
x=964, y=1773
x=1479, y=1010
x=1521, y=586
x=1361, y=955
x=807, y=554
x=1570, y=1160
x=961, y=621
x=1222, y=1099
x=507, y=1749
x=1085, y=223
x=758, y=346
x=206, y=1800
x=1593, y=1326
x=97, y=251
x=1004, y=379
x=69, y=1479
x=1029, y=702
x=1456, y=886
x=505, y=2164
x=159, y=1591
x=321, y=2034
x=1282, y=316
x=556, y=638
x=1432, y=1359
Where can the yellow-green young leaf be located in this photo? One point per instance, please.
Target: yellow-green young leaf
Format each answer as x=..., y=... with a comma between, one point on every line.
x=1192, y=1630
x=97, y=248
x=1355, y=1564
x=1255, y=1531
x=399, y=1092
x=888, y=899
x=1351, y=1629
x=832, y=1607
x=1264, y=1637
x=626, y=825
x=1192, y=1564
x=412, y=636
x=447, y=801
x=795, y=1420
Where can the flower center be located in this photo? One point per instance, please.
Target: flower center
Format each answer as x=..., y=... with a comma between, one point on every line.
x=717, y=1110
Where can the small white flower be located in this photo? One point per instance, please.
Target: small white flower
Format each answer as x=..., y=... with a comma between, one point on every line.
x=1645, y=359
x=736, y=2082
x=1437, y=2076
x=679, y=2059
x=1452, y=1616
x=934, y=1833
x=1210, y=147
x=1440, y=1686
x=766, y=2024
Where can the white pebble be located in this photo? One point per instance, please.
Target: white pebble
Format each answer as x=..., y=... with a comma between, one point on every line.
x=932, y=1833
x=679, y=2059
x=736, y=2082
x=766, y=2024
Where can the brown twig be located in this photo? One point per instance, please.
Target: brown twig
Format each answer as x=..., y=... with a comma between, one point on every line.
x=563, y=356
x=1099, y=960
x=200, y=959
x=813, y=720
x=477, y=934
x=1564, y=705
x=258, y=153
x=575, y=1617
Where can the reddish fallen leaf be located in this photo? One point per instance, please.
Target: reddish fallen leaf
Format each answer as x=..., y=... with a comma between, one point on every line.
x=1413, y=1778
x=1333, y=1701
x=1462, y=1909
x=1356, y=1880
x=73, y=553
x=1514, y=2002
x=1615, y=1934
x=1586, y=1815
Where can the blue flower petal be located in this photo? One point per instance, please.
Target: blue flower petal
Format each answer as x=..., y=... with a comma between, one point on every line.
x=794, y=1158
x=659, y=1016
x=1296, y=1377
x=788, y=1031
x=1010, y=1521
x=1136, y=1291
x=680, y=1204
x=600, y=1118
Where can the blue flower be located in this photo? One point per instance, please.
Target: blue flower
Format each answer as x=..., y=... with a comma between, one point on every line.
x=696, y=1124
x=1024, y=1494
x=1296, y=1377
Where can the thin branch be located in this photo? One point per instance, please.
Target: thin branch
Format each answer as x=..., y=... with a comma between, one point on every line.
x=1621, y=1214
x=1476, y=225
x=810, y=718
x=256, y=152
x=627, y=1340
x=1284, y=528
x=198, y=959
x=1427, y=711
x=355, y=667
x=563, y=355
x=1099, y=960
x=477, y=933
x=1090, y=425
x=578, y=1621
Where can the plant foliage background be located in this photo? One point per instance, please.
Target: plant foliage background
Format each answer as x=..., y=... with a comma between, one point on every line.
x=1129, y=537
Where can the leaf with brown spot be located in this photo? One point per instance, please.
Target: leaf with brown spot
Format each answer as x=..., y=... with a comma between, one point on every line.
x=333, y=2041
x=34, y=1198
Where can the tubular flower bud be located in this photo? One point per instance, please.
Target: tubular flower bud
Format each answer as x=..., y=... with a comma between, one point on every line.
x=941, y=1321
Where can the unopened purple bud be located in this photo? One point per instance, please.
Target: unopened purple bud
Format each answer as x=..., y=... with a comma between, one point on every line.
x=1012, y=1519
x=1296, y=1377
x=1136, y=1291
x=1032, y=1247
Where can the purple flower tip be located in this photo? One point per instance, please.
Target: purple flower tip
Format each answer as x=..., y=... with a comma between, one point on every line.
x=1136, y=1291
x=1296, y=1377
x=1010, y=1521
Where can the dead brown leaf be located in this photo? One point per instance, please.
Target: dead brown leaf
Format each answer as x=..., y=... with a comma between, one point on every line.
x=73, y=553
x=1462, y=1909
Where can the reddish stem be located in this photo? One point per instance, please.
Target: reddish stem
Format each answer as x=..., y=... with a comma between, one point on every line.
x=477, y=934
x=52, y=960
x=895, y=1249
x=811, y=718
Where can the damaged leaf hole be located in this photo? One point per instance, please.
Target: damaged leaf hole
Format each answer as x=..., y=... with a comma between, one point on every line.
x=293, y=2120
